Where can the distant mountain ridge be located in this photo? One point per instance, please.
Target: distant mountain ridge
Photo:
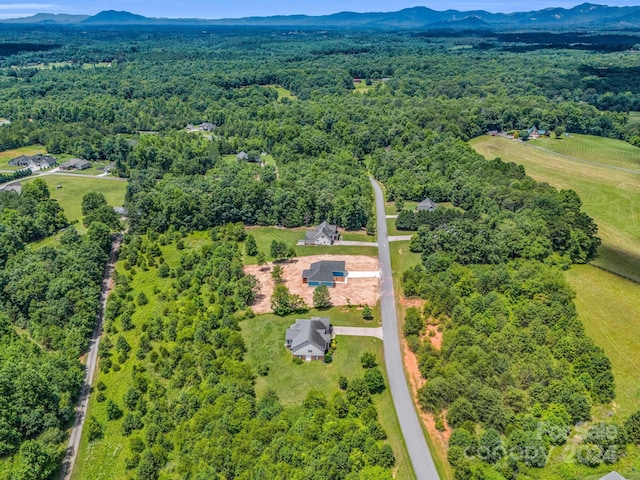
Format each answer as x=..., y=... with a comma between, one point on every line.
x=584, y=16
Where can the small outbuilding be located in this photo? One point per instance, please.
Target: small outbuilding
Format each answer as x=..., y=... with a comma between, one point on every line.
x=323, y=234
x=324, y=273
x=427, y=204
x=309, y=339
x=242, y=156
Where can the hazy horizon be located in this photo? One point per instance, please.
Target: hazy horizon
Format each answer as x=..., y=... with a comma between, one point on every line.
x=223, y=9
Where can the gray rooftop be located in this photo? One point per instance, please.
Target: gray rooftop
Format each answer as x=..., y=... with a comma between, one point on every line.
x=305, y=335
x=75, y=163
x=427, y=204
x=323, y=271
x=324, y=229
x=613, y=476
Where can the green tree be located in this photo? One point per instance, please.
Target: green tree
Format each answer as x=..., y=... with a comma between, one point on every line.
x=36, y=190
x=632, y=428
x=276, y=274
x=413, y=322
x=250, y=246
x=367, y=314
x=559, y=131
x=95, y=430
x=321, y=297
x=93, y=201
x=368, y=360
x=284, y=302
x=261, y=260
x=113, y=411
x=374, y=379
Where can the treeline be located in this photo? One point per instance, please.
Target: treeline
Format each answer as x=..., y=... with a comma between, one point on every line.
x=191, y=409
x=514, y=360
x=9, y=177
x=72, y=110
x=299, y=193
x=49, y=295
x=507, y=214
x=27, y=217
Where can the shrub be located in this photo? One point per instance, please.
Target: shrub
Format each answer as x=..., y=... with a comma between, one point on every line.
x=368, y=360
x=94, y=429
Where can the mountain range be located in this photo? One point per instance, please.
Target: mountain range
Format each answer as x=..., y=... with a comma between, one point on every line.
x=586, y=16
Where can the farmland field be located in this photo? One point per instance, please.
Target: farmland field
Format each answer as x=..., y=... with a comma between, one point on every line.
x=610, y=195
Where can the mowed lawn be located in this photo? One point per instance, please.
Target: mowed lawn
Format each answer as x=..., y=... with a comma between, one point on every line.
x=265, y=235
x=264, y=338
x=74, y=188
x=609, y=195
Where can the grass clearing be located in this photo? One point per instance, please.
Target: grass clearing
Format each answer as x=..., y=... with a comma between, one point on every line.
x=8, y=155
x=264, y=336
x=282, y=92
x=390, y=207
x=74, y=188
x=610, y=196
x=609, y=307
x=265, y=235
x=607, y=151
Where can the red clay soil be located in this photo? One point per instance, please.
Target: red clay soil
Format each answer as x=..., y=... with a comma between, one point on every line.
x=415, y=382
x=359, y=291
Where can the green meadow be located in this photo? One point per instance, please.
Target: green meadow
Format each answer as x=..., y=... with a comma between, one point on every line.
x=608, y=304
x=592, y=167
x=68, y=191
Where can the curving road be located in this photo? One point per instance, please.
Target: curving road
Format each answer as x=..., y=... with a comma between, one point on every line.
x=419, y=453
x=92, y=360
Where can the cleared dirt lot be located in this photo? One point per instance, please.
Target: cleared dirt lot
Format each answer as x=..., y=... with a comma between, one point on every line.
x=357, y=290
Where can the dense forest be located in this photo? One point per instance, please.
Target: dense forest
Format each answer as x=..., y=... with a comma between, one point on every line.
x=514, y=353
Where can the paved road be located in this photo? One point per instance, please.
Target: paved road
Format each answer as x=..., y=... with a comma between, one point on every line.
x=359, y=331
x=92, y=359
x=419, y=453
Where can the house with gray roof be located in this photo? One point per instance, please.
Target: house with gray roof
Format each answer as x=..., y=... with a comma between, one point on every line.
x=427, y=205
x=613, y=476
x=242, y=156
x=309, y=339
x=75, y=164
x=323, y=234
x=38, y=161
x=324, y=273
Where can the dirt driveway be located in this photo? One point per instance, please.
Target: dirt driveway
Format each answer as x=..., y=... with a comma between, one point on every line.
x=357, y=290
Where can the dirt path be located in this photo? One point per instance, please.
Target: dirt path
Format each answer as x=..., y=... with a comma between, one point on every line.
x=92, y=359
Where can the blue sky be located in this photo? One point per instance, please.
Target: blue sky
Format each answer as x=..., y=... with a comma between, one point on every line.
x=243, y=8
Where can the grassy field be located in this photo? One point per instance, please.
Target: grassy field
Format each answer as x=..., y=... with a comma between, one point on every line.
x=608, y=304
x=264, y=336
x=74, y=188
x=610, y=310
x=265, y=235
x=390, y=207
x=609, y=195
x=282, y=92
x=11, y=154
